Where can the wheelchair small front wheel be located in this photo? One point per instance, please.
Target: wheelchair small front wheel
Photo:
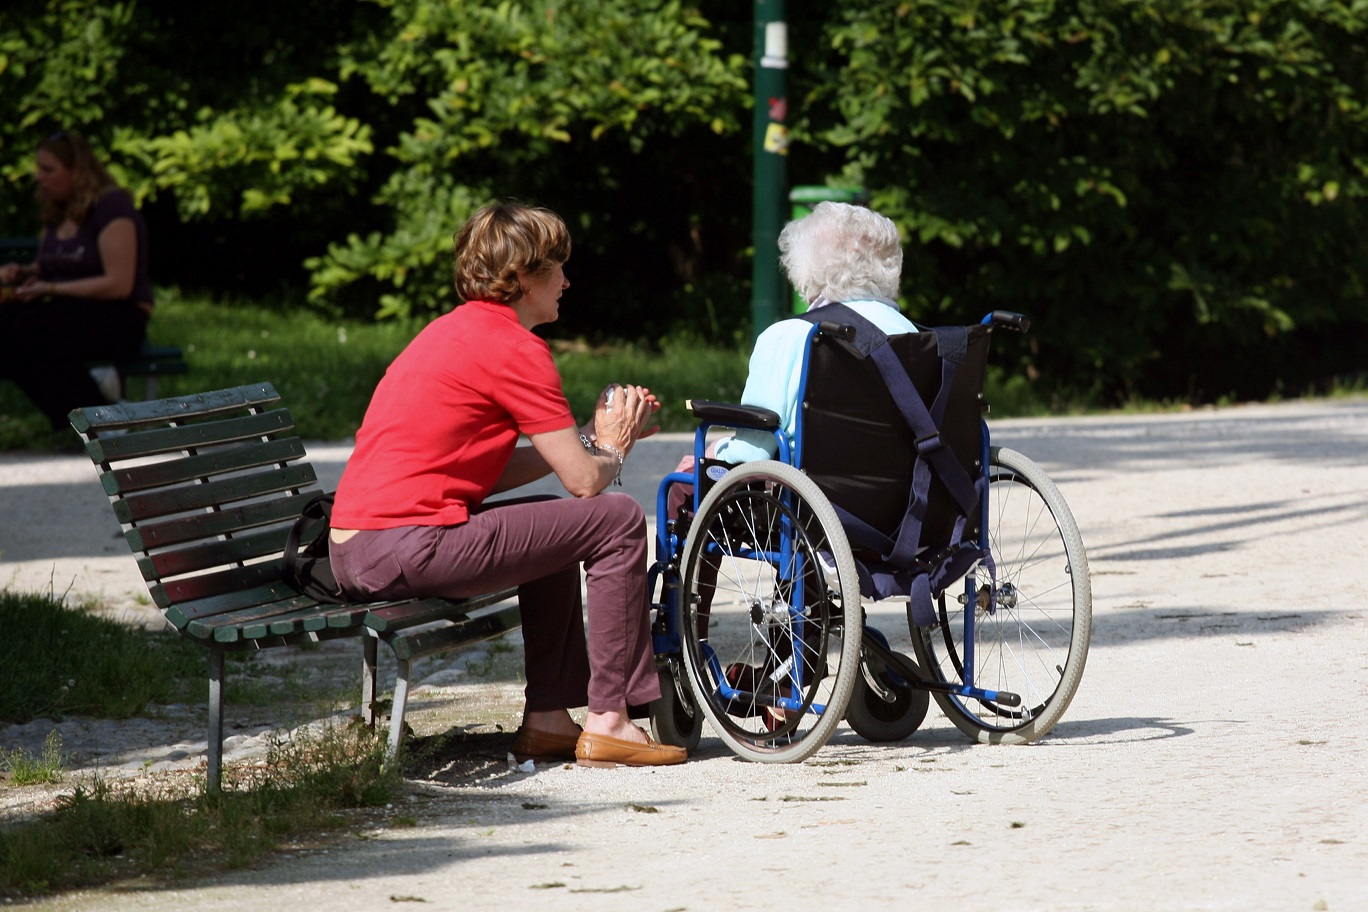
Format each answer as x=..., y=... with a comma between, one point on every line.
x=771, y=620
x=877, y=719
x=674, y=717
x=1031, y=617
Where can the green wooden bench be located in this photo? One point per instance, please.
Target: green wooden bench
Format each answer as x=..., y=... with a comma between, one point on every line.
x=206, y=488
x=151, y=362
x=18, y=249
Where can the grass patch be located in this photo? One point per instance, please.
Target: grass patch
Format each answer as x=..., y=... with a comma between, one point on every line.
x=326, y=368
x=60, y=660
x=27, y=769
x=311, y=785
x=680, y=371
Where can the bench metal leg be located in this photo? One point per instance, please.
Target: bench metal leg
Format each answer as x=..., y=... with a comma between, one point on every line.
x=215, y=744
x=401, y=689
x=368, y=669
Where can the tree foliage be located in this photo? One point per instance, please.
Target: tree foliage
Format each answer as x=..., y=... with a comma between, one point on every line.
x=513, y=99
x=1172, y=189
x=1159, y=184
x=355, y=146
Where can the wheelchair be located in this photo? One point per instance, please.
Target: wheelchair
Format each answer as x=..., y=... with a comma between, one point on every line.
x=891, y=489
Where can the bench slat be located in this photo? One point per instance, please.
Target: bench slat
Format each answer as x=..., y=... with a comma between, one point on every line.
x=185, y=498
x=176, y=408
x=157, y=442
x=334, y=618
x=129, y=479
x=425, y=611
x=272, y=621
x=206, y=525
x=330, y=622
x=274, y=596
x=466, y=630
x=193, y=558
x=312, y=619
x=209, y=585
x=225, y=625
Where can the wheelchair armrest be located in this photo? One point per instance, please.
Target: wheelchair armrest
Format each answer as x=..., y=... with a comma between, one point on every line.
x=731, y=415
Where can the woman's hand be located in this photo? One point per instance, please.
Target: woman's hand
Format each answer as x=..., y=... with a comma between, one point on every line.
x=118, y=243
x=621, y=414
x=33, y=289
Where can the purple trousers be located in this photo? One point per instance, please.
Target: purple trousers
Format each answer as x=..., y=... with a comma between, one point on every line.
x=537, y=545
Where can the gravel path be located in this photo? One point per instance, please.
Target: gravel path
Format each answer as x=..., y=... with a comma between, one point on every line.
x=1206, y=762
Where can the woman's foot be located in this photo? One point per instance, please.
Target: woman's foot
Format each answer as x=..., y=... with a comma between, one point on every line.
x=547, y=735
x=615, y=724
x=550, y=721
x=606, y=751
x=610, y=739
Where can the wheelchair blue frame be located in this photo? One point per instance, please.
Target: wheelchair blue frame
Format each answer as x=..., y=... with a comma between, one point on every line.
x=670, y=544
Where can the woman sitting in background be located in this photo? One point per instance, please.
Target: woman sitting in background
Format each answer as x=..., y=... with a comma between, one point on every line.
x=87, y=297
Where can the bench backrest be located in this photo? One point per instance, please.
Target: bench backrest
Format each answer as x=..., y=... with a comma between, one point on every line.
x=206, y=488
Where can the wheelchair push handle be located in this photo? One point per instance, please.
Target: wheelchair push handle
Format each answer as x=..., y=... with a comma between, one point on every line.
x=1009, y=320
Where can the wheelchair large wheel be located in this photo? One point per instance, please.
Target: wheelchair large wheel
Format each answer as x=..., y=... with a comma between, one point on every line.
x=1031, y=632
x=771, y=615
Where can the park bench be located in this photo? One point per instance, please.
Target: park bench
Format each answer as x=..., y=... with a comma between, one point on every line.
x=151, y=362
x=206, y=488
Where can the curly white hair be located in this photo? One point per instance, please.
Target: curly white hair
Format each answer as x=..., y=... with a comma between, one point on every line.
x=842, y=252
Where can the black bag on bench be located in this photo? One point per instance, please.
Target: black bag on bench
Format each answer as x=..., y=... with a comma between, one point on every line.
x=307, y=566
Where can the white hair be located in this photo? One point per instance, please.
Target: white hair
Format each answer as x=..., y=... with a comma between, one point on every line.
x=842, y=253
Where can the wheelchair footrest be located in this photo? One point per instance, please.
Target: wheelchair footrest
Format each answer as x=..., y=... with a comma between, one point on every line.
x=910, y=672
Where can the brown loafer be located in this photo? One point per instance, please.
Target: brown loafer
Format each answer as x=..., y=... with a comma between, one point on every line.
x=603, y=751
x=534, y=744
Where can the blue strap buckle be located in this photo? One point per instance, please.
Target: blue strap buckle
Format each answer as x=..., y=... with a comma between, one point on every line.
x=930, y=443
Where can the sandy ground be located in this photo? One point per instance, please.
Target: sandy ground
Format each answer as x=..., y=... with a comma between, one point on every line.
x=1206, y=762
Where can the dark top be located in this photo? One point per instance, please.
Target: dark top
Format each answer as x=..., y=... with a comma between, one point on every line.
x=78, y=257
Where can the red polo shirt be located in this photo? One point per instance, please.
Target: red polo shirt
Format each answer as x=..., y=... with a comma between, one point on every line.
x=445, y=418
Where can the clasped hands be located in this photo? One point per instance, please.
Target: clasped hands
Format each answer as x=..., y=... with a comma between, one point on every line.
x=621, y=414
x=31, y=288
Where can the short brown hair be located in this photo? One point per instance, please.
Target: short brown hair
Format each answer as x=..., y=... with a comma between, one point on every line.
x=89, y=179
x=501, y=240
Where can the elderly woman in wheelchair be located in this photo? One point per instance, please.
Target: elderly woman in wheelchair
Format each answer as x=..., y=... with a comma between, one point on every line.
x=859, y=470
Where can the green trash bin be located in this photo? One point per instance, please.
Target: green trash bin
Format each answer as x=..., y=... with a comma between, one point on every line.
x=805, y=199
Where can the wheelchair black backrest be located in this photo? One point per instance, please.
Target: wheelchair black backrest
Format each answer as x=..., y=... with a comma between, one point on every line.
x=856, y=444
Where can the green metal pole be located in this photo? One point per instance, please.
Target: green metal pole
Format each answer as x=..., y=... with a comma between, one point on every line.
x=771, y=162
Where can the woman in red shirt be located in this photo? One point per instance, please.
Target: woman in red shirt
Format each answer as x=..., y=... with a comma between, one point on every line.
x=441, y=435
